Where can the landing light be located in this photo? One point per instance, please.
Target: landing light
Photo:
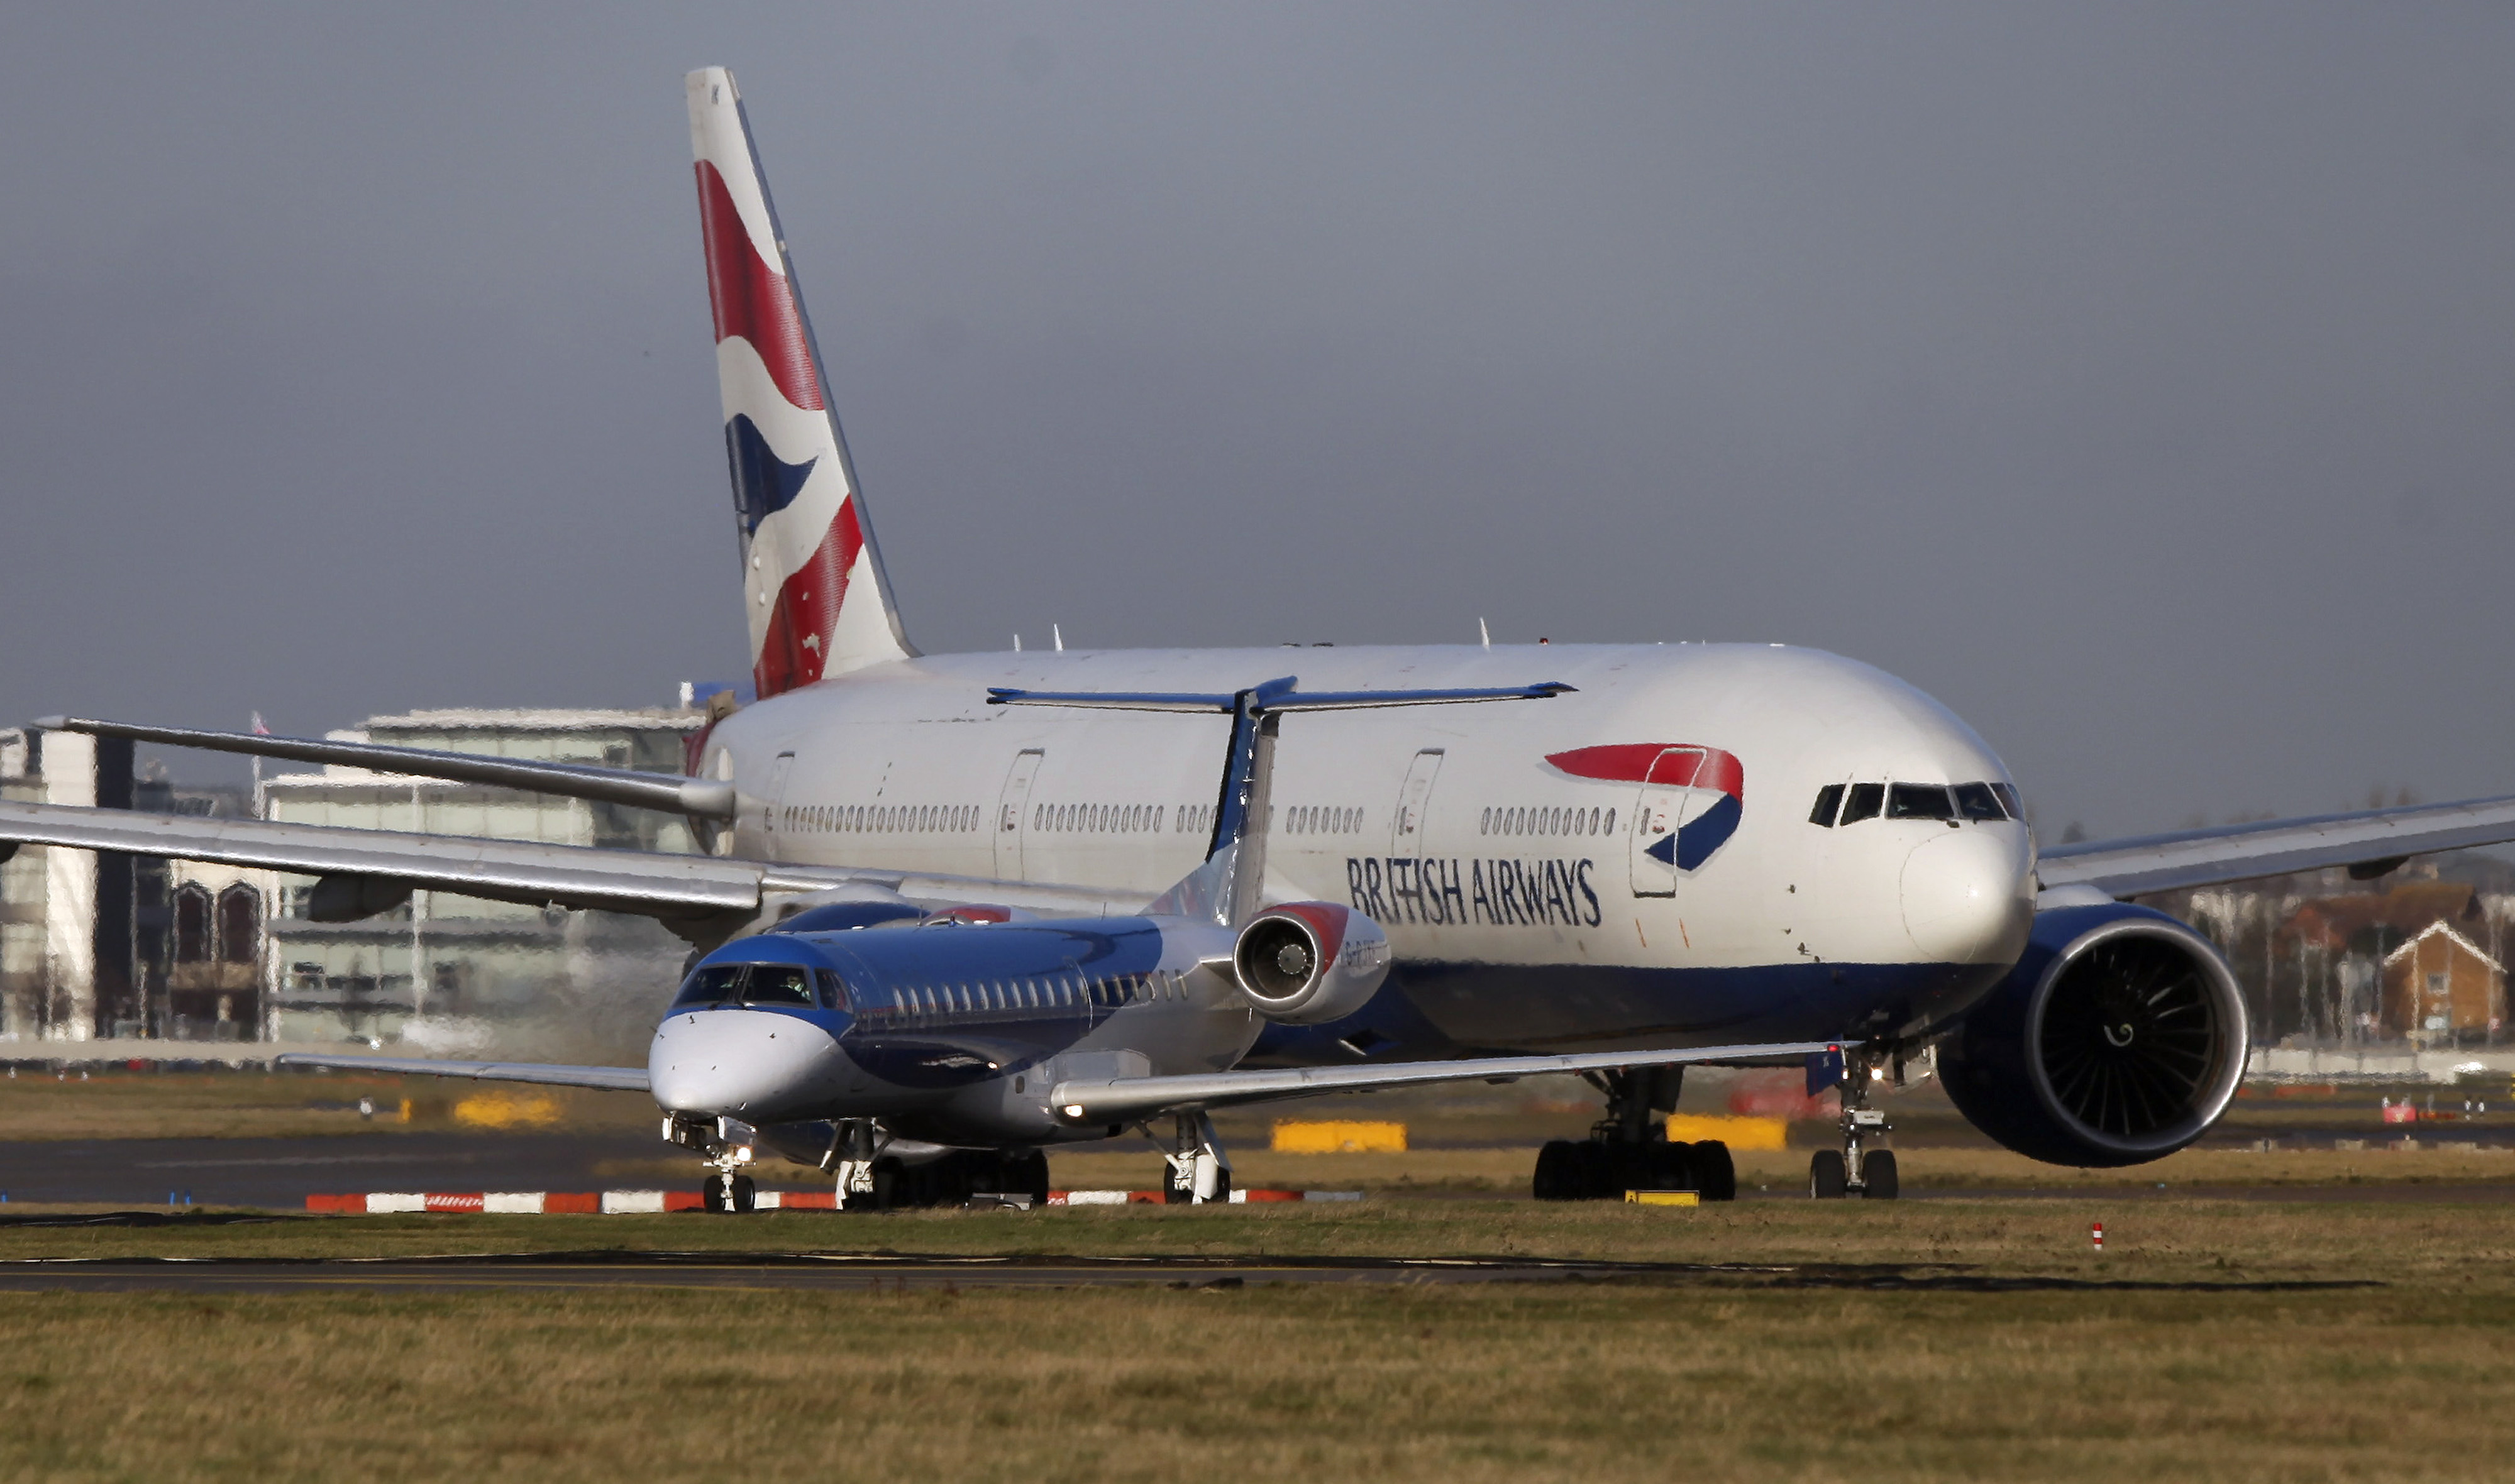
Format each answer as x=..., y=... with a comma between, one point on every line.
x=1074, y=1111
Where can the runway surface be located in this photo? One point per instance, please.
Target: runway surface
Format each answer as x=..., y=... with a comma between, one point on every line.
x=281, y=1172
x=892, y=1272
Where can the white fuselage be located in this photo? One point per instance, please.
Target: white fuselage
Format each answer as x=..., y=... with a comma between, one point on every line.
x=1521, y=899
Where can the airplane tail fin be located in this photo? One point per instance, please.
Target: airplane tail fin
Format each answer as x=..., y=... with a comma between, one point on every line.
x=814, y=585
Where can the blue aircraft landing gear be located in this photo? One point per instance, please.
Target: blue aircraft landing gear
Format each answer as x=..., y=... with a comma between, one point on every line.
x=1195, y=1171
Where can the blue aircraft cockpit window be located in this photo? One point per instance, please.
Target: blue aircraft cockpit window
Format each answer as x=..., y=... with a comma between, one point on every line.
x=1976, y=800
x=778, y=984
x=1828, y=798
x=834, y=990
x=1920, y=801
x=712, y=985
x=1862, y=801
x=2007, y=793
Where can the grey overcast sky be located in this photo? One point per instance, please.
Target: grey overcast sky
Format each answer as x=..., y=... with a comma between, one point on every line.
x=2137, y=379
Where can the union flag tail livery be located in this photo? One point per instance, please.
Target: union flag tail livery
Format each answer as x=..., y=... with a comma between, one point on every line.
x=814, y=585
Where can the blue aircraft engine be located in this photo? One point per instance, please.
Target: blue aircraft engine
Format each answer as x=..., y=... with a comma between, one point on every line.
x=2118, y=1039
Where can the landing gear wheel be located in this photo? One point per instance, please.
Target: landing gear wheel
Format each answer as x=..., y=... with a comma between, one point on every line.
x=1558, y=1171
x=1877, y=1175
x=729, y=1197
x=1716, y=1174
x=1672, y=1168
x=1827, y=1179
x=1595, y=1172
x=1028, y=1175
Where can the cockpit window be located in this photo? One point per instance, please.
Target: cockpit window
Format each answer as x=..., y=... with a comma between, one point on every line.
x=778, y=984
x=1828, y=798
x=1976, y=800
x=1918, y=801
x=2009, y=799
x=712, y=985
x=834, y=990
x=1862, y=802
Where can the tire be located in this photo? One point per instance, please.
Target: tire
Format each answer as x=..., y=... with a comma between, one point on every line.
x=737, y=1198
x=1877, y=1175
x=1029, y=1176
x=1716, y=1174
x=1672, y=1168
x=1826, y=1178
x=1595, y=1174
x=1558, y=1172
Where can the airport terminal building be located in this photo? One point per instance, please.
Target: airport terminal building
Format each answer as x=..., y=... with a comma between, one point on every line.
x=95, y=946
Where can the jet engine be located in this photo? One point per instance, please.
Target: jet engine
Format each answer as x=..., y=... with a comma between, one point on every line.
x=2118, y=1039
x=1309, y=963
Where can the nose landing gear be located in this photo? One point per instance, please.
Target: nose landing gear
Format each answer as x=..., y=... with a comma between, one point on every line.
x=1856, y=1168
x=726, y=1144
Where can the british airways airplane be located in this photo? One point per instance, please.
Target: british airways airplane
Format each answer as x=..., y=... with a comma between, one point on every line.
x=955, y=910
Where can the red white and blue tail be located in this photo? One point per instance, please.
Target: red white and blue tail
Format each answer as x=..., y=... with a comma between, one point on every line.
x=814, y=589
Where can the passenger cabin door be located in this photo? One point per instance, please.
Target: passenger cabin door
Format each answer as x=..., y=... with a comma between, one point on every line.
x=1011, y=806
x=1414, y=797
x=1659, y=813
x=773, y=823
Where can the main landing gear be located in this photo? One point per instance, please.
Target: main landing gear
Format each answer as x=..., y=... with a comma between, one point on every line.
x=1630, y=1148
x=1856, y=1168
x=1195, y=1171
x=954, y=1176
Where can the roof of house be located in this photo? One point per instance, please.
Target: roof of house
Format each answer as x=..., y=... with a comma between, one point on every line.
x=2433, y=930
x=2408, y=909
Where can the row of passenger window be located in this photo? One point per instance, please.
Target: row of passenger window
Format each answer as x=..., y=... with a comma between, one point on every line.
x=789, y=985
x=1852, y=803
x=1321, y=820
x=1096, y=818
x=882, y=818
x=1535, y=819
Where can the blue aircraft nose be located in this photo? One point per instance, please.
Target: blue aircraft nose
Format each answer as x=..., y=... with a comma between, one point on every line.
x=757, y=1065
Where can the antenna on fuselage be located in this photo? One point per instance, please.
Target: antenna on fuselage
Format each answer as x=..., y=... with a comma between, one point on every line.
x=1225, y=887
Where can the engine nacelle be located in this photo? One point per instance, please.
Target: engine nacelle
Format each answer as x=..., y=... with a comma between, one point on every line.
x=1309, y=963
x=2118, y=1039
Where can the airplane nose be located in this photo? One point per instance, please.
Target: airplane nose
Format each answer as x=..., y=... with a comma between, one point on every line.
x=754, y=1063
x=1968, y=897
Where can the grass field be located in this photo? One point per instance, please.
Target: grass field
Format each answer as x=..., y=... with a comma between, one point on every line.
x=2175, y=1353
x=2357, y=1324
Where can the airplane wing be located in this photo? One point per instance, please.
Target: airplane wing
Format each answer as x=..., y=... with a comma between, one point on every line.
x=2370, y=843
x=607, y=1079
x=1131, y=1097
x=695, y=893
x=702, y=797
